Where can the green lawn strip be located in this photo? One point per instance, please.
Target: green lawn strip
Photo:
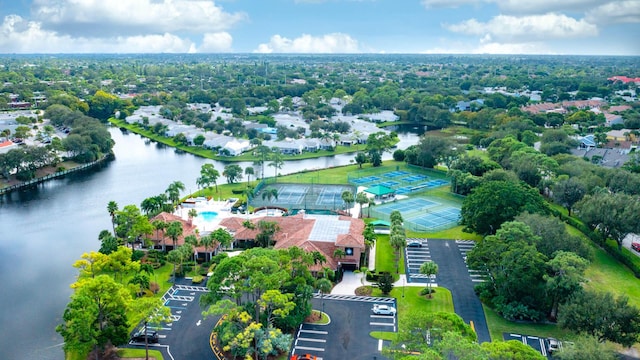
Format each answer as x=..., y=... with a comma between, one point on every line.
x=247, y=156
x=413, y=303
x=385, y=257
x=605, y=273
x=139, y=353
x=453, y=233
x=499, y=325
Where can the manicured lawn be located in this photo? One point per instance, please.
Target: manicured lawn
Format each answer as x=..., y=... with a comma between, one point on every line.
x=385, y=257
x=413, y=303
x=453, y=233
x=606, y=274
x=498, y=325
x=140, y=353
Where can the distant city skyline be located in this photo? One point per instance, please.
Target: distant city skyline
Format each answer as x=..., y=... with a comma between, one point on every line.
x=562, y=27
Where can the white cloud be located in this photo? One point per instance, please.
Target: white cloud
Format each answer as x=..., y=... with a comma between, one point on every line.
x=512, y=29
x=329, y=43
x=216, y=42
x=521, y=6
x=132, y=17
x=449, y=3
x=21, y=36
x=615, y=12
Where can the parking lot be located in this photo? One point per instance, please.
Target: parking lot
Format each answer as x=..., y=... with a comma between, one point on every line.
x=538, y=343
x=415, y=256
x=186, y=323
x=347, y=334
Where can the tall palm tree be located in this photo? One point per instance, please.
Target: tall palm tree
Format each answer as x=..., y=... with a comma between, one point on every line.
x=191, y=214
x=271, y=193
x=207, y=241
x=276, y=160
x=262, y=152
x=347, y=197
x=173, y=192
x=372, y=203
x=249, y=171
x=174, y=231
x=361, y=199
x=429, y=268
x=324, y=285
x=112, y=208
x=159, y=225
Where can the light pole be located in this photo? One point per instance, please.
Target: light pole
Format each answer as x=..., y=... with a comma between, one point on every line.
x=402, y=286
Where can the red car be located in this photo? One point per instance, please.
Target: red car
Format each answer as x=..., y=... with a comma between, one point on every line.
x=635, y=246
x=304, y=357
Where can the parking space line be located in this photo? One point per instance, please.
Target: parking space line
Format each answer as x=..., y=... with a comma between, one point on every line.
x=310, y=340
x=309, y=348
x=380, y=324
x=313, y=331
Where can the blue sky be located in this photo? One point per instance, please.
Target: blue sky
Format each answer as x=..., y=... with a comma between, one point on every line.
x=599, y=27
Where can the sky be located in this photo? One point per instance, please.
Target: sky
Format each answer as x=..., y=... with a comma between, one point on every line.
x=563, y=27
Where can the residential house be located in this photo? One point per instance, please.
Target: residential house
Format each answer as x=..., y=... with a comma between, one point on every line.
x=612, y=119
x=322, y=233
x=287, y=146
x=588, y=142
x=236, y=147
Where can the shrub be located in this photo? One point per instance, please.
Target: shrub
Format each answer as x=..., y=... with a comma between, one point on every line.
x=427, y=291
x=197, y=279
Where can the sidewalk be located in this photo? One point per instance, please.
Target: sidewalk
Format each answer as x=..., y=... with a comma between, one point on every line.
x=351, y=281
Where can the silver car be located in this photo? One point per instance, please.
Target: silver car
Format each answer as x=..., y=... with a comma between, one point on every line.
x=383, y=310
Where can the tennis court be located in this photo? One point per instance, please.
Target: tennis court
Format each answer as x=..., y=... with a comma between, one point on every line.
x=396, y=173
x=301, y=196
x=365, y=180
x=436, y=219
x=414, y=178
x=405, y=206
x=389, y=183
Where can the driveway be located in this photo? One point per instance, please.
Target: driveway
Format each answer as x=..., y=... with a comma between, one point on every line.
x=454, y=275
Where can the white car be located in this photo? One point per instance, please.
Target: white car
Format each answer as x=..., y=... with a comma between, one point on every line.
x=383, y=310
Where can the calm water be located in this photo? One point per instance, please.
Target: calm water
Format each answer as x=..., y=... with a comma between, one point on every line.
x=44, y=230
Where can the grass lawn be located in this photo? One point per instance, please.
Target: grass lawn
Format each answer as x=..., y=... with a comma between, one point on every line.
x=139, y=353
x=498, y=325
x=413, y=303
x=453, y=233
x=607, y=274
x=385, y=257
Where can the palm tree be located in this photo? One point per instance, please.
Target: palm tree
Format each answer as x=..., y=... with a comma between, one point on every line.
x=269, y=194
x=263, y=155
x=267, y=230
x=159, y=225
x=347, y=197
x=173, y=192
x=174, y=231
x=396, y=217
x=276, y=160
x=361, y=199
x=339, y=253
x=191, y=214
x=112, y=208
x=222, y=237
x=371, y=203
x=429, y=268
x=249, y=171
x=207, y=241
x=324, y=285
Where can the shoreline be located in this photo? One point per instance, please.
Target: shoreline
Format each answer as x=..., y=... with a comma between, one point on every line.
x=52, y=175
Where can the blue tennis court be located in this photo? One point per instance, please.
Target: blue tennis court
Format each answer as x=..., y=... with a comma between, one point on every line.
x=437, y=219
x=365, y=180
x=408, y=205
x=389, y=183
x=396, y=173
x=414, y=178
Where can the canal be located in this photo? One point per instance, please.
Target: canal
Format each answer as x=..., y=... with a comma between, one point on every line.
x=44, y=230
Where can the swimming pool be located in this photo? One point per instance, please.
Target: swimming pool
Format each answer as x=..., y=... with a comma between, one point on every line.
x=207, y=215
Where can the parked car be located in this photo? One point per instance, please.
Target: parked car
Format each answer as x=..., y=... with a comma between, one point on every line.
x=414, y=243
x=152, y=337
x=383, y=310
x=304, y=357
x=553, y=345
x=636, y=246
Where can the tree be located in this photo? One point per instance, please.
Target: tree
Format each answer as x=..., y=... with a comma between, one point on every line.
x=131, y=225
x=153, y=311
x=191, y=214
x=267, y=231
x=568, y=192
x=323, y=285
x=222, y=237
x=348, y=198
x=512, y=349
x=276, y=160
x=174, y=231
x=173, y=192
x=270, y=193
x=208, y=176
x=601, y=315
x=586, y=348
x=96, y=315
x=108, y=242
x=495, y=202
x=361, y=199
x=262, y=152
x=429, y=268
x=430, y=151
x=360, y=159
x=612, y=215
x=112, y=208
x=385, y=283
x=233, y=173
x=249, y=171
x=103, y=105
x=564, y=278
